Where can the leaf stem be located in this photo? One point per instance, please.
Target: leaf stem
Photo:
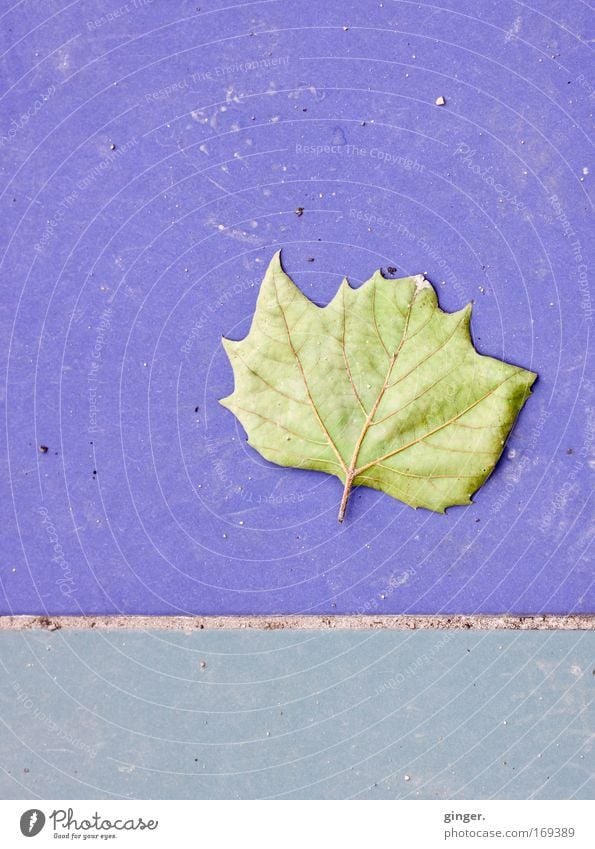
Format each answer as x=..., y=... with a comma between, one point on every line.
x=346, y=492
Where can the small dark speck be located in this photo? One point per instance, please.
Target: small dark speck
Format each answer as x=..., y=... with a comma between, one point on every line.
x=203, y=664
x=478, y=520
x=304, y=109
x=570, y=450
x=44, y=449
x=391, y=269
x=310, y=259
x=94, y=471
x=26, y=769
x=196, y=409
x=299, y=211
x=112, y=146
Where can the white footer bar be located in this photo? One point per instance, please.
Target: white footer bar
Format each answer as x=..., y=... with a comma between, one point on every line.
x=305, y=824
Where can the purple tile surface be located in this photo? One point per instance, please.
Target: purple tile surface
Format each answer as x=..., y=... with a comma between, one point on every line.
x=153, y=157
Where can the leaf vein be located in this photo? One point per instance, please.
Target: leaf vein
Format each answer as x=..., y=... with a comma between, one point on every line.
x=278, y=424
x=423, y=477
x=270, y=385
x=376, y=321
x=430, y=355
x=417, y=397
x=347, y=366
x=303, y=374
x=440, y=426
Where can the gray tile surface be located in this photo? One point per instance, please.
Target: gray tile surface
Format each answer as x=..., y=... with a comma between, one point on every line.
x=296, y=714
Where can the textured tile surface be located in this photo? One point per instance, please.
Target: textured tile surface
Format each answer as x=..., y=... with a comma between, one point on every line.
x=294, y=715
x=153, y=157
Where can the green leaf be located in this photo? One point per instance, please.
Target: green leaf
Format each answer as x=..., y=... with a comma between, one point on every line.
x=380, y=388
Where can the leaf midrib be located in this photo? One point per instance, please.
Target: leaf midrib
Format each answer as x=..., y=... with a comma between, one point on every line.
x=351, y=472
